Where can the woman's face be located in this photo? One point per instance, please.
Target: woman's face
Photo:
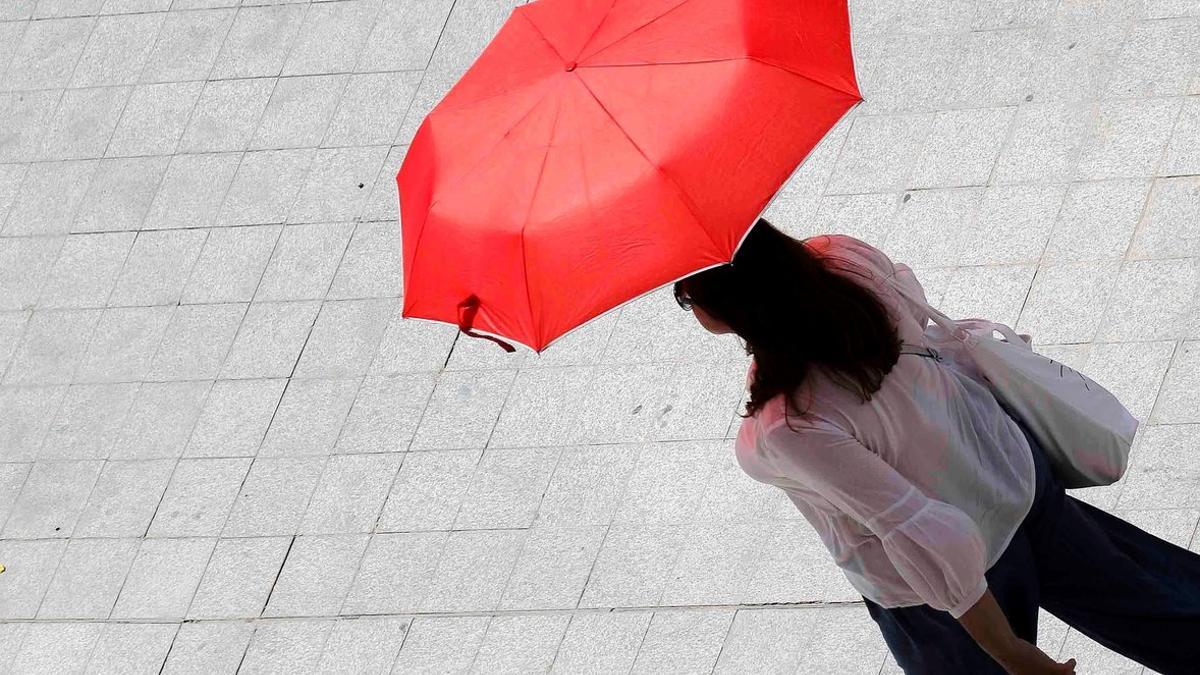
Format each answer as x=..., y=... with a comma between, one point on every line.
x=710, y=323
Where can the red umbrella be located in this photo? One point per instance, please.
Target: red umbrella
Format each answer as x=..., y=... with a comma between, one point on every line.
x=599, y=149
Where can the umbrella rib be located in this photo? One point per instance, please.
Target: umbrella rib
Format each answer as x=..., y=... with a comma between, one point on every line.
x=623, y=37
x=682, y=195
x=467, y=104
x=810, y=78
x=597, y=28
x=532, y=198
x=412, y=273
x=585, y=42
x=490, y=150
x=513, y=88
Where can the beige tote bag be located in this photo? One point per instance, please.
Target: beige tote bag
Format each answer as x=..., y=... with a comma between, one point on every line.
x=1085, y=430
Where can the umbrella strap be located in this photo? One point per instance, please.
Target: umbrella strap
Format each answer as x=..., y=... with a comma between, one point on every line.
x=465, y=320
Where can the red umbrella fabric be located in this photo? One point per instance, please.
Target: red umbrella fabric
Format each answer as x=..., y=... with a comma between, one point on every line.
x=599, y=149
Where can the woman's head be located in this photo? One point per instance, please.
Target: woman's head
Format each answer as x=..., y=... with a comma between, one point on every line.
x=794, y=313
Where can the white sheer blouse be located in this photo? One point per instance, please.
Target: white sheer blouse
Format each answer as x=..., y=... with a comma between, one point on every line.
x=918, y=491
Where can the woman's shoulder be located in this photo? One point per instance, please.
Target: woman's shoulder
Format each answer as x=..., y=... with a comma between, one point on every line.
x=834, y=239
x=841, y=244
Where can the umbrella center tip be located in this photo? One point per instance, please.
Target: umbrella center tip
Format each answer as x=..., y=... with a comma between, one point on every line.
x=571, y=66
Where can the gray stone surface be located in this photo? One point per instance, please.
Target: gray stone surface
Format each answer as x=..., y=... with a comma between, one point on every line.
x=223, y=450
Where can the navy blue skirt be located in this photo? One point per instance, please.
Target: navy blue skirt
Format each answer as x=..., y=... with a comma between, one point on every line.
x=1128, y=590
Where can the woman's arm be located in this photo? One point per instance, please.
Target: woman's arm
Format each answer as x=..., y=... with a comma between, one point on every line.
x=988, y=625
x=985, y=621
x=933, y=545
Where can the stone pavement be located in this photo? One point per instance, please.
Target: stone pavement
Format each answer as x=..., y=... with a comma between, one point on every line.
x=222, y=449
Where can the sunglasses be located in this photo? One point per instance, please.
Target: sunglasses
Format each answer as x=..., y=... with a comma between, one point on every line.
x=684, y=301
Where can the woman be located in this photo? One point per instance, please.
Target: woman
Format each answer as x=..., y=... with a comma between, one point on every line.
x=937, y=504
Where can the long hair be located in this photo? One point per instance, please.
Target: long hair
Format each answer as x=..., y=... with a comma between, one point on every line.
x=795, y=314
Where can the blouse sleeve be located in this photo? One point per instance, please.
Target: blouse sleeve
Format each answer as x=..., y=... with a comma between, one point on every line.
x=934, y=546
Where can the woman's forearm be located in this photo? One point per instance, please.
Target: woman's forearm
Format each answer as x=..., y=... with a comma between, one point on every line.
x=985, y=621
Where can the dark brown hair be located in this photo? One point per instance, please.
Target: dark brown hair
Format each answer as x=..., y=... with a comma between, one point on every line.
x=794, y=313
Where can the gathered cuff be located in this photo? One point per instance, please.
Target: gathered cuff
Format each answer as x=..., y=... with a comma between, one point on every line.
x=969, y=601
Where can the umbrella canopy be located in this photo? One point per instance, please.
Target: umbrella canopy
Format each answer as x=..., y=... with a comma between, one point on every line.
x=599, y=149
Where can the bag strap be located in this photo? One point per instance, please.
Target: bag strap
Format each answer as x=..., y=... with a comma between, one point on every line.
x=938, y=317
x=959, y=328
x=924, y=351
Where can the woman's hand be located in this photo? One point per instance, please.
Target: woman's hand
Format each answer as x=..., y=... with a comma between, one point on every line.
x=1026, y=659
